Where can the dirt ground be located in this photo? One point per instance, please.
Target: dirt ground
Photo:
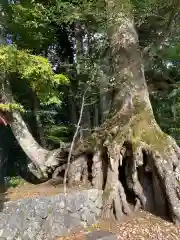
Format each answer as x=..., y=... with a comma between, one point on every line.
x=141, y=226
x=27, y=190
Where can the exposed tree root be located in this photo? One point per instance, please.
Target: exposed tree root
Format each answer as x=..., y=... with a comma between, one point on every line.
x=169, y=182
x=78, y=170
x=136, y=176
x=134, y=162
x=97, y=170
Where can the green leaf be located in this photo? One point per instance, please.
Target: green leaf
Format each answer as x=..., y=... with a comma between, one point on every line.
x=35, y=69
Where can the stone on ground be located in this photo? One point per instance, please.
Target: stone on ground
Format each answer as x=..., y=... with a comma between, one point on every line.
x=101, y=235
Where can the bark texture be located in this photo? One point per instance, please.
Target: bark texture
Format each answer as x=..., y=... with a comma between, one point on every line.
x=44, y=162
x=37, y=116
x=131, y=159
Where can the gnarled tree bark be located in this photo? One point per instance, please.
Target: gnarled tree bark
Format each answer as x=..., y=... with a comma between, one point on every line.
x=142, y=161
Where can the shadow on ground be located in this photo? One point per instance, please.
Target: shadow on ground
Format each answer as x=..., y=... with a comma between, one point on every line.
x=2, y=190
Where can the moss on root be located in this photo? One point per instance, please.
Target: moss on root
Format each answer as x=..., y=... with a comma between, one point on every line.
x=141, y=128
x=137, y=125
x=145, y=129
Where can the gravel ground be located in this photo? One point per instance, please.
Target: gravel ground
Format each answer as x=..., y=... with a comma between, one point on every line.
x=142, y=226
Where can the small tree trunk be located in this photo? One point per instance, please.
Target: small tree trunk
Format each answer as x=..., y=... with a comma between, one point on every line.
x=33, y=150
x=85, y=123
x=72, y=108
x=40, y=131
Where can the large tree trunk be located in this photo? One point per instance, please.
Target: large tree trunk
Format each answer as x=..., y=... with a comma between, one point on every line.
x=133, y=126
x=140, y=163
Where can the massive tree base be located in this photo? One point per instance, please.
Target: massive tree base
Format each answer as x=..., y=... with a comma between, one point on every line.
x=128, y=156
x=134, y=162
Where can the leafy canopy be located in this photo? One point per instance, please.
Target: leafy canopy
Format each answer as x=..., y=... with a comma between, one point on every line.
x=35, y=69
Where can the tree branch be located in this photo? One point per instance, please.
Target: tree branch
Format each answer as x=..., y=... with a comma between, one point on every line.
x=150, y=49
x=73, y=141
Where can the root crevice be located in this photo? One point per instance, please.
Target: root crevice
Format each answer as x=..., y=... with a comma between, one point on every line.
x=133, y=175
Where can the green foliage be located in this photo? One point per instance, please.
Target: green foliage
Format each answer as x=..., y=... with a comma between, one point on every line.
x=14, y=181
x=170, y=53
x=30, y=20
x=167, y=112
x=150, y=10
x=36, y=22
x=11, y=106
x=57, y=133
x=35, y=69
